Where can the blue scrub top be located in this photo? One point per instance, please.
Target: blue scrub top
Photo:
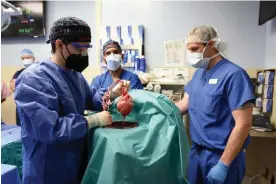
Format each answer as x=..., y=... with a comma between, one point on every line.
x=51, y=101
x=213, y=95
x=103, y=81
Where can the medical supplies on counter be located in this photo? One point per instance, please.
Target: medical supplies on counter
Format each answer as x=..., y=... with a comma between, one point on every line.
x=264, y=90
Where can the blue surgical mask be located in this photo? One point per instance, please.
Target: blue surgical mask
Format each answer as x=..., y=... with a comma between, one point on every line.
x=113, y=61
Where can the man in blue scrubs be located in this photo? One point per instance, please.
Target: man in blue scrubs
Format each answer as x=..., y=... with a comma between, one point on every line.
x=219, y=100
x=112, y=56
x=51, y=97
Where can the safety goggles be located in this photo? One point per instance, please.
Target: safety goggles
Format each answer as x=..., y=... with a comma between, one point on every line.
x=83, y=49
x=81, y=46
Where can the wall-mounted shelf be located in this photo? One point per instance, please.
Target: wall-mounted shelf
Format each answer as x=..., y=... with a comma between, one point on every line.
x=131, y=47
x=168, y=83
x=271, y=114
x=123, y=66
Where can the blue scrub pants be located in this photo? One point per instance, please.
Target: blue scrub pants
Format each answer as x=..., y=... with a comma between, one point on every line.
x=201, y=161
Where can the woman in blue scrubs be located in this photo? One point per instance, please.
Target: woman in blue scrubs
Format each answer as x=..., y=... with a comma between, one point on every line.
x=112, y=56
x=219, y=100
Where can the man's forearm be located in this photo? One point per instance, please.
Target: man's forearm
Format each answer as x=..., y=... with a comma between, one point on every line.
x=183, y=109
x=235, y=143
x=183, y=104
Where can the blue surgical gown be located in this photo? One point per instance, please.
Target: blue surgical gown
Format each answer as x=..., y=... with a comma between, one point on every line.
x=51, y=102
x=213, y=95
x=104, y=80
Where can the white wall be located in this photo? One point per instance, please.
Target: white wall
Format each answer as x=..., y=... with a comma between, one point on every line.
x=10, y=48
x=270, y=54
x=237, y=23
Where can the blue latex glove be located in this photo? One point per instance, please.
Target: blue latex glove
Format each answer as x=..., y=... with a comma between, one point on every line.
x=218, y=173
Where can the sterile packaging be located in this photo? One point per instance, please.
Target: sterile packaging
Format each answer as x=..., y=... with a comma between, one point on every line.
x=176, y=97
x=268, y=91
x=259, y=102
x=260, y=89
x=149, y=87
x=141, y=34
x=267, y=105
x=115, y=33
x=126, y=34
x=128, y=63
x=138, y=34
x=261, y=78
x=168, y=93
x=105, y=34
x=157, y=88
x=269, y=77
x=133, y=54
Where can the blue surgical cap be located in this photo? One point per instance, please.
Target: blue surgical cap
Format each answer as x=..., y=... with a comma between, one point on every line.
x=27, y=52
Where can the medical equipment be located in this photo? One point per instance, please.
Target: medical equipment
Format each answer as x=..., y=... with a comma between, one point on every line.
x=269, y=77
x=267, y=105
x=149, y=87
x=260, y=89
x=176, y=97
x=157, y=88
x=168, y=93
x=7, y=13
x=261, y=78
x=268, y=91
x=262, y=123
x=259, y=102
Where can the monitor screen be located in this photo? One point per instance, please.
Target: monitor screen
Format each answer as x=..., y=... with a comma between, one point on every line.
x=267, y=11
x=30, y=24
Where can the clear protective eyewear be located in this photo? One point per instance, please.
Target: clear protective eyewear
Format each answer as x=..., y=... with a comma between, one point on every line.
x=82, y=48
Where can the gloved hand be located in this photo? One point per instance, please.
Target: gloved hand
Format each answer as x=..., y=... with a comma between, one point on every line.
x=103, y=118
x=117, y=90
x=218, y=173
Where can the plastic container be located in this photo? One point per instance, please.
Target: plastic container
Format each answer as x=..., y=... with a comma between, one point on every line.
x=137, y=64
x=143, y=64
x=125, y=56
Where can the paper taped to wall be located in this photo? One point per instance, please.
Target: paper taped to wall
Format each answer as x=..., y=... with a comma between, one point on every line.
x=175, y=53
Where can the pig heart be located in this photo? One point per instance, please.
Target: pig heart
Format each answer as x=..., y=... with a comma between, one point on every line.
x=125, y=105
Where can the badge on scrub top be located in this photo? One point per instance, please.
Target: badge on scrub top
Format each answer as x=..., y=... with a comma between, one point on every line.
x=213, y=81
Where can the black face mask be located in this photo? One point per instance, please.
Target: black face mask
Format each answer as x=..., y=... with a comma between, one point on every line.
x=76, y=62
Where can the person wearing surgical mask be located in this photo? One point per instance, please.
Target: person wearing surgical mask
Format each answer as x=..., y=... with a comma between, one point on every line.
x=219, y=99
x=51, y=97
x=27, y=58
x=112, y=57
